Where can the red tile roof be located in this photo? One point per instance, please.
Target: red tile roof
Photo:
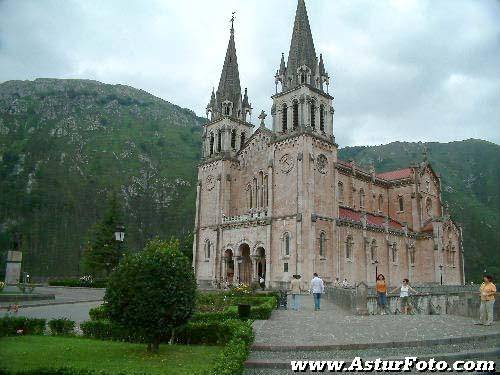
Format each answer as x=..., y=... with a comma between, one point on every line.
x=347, y=213
x=396, y=175
x=428, y=228
x=344, y=163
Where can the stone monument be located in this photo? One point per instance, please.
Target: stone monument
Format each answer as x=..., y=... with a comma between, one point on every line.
x=13, y=267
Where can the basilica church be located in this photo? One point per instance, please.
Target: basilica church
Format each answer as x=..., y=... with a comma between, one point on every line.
x=272, y=203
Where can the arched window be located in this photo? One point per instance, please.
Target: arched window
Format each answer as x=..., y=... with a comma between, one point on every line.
x=295, y=115
x=266, y=194
x=412, y=256
x=453, y=256
x=322, y=244
x=394, y=253
x=219, y=141
x=233, y=139
x=322, y=118
x=349, y=244
x=242, y=140
x=211, y=144
x=401, y=204
x=256, y=193
x=302, y=78
x=313, y=115
x=208, y=249
x=373, y=251
x=340, y=192
x=286, y=244
x=361, y=198
x=284, y=118
x=227, y=110
x=250, y=196
x=428, y=206
x=380, y=202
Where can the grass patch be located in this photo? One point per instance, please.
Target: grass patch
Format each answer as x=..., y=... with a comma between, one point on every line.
x=32, y=352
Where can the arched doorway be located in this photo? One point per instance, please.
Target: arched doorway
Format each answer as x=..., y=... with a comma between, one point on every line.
x=260, y=260
x=245, y=264
x=229, y=266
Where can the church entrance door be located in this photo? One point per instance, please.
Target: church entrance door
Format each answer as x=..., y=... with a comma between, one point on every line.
x=245, y=264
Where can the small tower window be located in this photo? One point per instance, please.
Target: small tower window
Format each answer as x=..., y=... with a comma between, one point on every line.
x=412, y=256
x=313, y=115
x=286, y=244
x=401, y=204
x=211, y=144
x=322, y=244
x=295, y=115
x=361, y=198
x=242, y=140
x=302, y=78
x=284, y=118
x=233, y=139
x=348, y=247
x=340, y=191
x=380, y=202
x=322, y=118
x=373, y=251
x=394, y=253
x=219, y=141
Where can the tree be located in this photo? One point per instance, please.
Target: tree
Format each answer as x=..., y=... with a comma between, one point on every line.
x=152, y=292
x=103, y=252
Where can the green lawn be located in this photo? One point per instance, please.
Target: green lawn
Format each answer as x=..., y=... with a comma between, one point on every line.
x=32, y=352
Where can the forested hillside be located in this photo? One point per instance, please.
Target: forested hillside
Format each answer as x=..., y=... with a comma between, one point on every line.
x=66, y=145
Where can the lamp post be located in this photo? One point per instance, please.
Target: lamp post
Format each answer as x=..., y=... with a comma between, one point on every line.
x=376, y=269
x=120, y=237
x=441, y=269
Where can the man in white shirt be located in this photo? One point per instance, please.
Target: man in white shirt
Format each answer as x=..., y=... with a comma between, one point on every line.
x=317, y=289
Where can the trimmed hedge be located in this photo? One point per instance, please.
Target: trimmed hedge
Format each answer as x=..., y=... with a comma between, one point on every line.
x=29, y=326
x=194, y=333
x=61, y=371
x=98, y=283
x=62, y=327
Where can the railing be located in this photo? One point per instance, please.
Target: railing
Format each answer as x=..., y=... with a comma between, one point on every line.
x=251, y=216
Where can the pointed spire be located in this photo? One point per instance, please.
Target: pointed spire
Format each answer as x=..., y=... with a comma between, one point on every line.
x=282, y=70
x=322, y=70
x=302, y=50
x=229, y=85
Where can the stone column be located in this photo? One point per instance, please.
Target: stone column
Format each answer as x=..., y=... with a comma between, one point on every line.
x=196, y=225
x=236, y=268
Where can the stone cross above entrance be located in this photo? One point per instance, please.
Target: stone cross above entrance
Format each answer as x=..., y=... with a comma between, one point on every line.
x=262, y=118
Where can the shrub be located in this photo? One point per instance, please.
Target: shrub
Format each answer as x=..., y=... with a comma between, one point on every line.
x=99, y=313
x=2, y=285
x=20, y=325
x=107, y=330
x=152, y=292
x=62, y=326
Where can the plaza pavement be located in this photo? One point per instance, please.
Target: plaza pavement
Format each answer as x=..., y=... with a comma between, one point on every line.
x=331, y=333
x=71, y=303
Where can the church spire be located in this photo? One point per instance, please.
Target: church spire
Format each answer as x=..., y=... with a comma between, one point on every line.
x=302, y=52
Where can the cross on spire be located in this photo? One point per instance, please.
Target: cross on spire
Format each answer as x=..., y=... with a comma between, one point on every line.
x=262, y=118
x=232, y=21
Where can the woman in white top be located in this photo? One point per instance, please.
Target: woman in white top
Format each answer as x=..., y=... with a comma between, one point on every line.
x=404, y=295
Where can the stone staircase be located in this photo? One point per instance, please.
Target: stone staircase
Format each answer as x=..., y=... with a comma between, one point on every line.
x=263, y=361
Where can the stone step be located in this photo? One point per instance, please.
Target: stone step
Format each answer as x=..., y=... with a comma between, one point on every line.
x=370, y=345
x=282, y=365
x=374, y=352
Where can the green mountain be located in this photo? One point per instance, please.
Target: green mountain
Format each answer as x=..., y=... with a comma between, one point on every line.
x=65, y=145
x=470, y=178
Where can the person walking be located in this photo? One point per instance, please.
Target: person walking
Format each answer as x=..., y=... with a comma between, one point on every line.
x=296, y=289
x=488, y=291
x=382, y=293
x=317, y=289
x=404, y=295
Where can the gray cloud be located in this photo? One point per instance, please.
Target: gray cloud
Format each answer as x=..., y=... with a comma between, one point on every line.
x=402, y=70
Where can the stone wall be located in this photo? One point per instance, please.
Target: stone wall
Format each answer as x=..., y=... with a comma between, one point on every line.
x=452, y=300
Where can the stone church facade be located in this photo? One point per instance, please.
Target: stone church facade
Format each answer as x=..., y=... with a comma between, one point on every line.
x=275, y=203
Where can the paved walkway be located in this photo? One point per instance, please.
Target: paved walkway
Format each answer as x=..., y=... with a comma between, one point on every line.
x=71, y=303
x=331, y=326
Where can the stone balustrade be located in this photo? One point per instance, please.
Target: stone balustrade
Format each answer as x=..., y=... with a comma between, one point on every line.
x=251, y=216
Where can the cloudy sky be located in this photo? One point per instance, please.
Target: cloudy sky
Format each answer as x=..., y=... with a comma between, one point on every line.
x=408, y=70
